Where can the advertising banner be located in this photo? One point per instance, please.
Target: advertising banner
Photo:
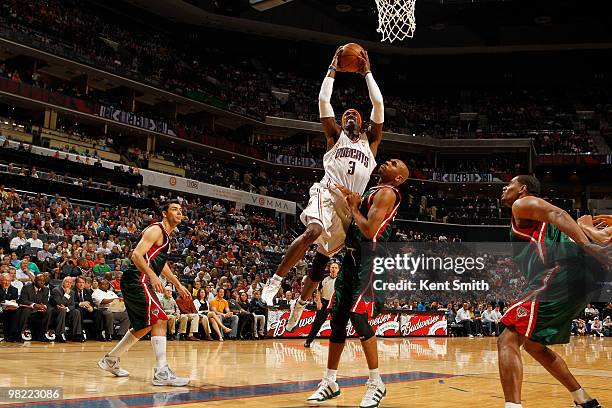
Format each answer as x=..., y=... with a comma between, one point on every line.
x=386, y=324
x=464, y=177
x=133, y=119
x=295, y=160
x=155, y=179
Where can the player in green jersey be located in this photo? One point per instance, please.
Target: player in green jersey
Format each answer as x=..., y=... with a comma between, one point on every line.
x=550, y=249
x=353, y=300
x=138, y=286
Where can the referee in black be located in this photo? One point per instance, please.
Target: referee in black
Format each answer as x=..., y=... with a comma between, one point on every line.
x=326, y=291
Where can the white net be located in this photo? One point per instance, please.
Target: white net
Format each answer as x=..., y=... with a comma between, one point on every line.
x=396, y=19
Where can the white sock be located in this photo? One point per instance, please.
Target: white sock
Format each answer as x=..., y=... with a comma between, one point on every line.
x=124, y=344
x=159, y=347
x=331, y=375
x=276, y=279
x=375, y=375
x=512, y=405
x=581, y=396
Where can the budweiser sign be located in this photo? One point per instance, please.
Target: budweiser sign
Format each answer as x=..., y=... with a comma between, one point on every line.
x=388, y=324
x=423, y=325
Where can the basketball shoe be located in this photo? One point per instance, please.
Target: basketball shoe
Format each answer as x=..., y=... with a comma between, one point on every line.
x=111, y=364
x=375, y=393
x=327, y=390
x=294, y=317
x=165, y=376
x=589, y=404
x=271, y=289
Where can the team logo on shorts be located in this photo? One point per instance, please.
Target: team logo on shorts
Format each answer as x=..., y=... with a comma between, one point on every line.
x=155, y=312
x=521, y=312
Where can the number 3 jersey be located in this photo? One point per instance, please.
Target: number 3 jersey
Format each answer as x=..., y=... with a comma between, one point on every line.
x=349, y=164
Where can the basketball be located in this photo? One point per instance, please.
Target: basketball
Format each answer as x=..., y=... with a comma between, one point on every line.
x=351, y=58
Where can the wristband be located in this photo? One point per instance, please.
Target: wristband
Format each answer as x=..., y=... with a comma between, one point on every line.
x=331, y=68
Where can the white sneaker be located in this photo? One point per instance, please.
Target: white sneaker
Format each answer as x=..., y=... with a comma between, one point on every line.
x=327, y=390
x=111, y=364
x=294, y=317
x=375, y=393
x=269, y=291
x=165, y=376
x=471, y=336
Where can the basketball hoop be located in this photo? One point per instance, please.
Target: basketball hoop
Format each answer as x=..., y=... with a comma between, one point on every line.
x=396, y=19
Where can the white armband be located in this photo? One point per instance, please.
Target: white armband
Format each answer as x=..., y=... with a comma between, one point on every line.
x=325, y=108
x=378, y=107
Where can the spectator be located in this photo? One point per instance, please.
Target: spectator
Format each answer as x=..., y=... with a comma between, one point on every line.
x=245, y=318
x=18, y=242
x=590, y=312
x=45, y=258
x=464, y=319
x=196, y=287
x=207, y=317
x=172, y=311
x=260, y=312
x=84, y=302
x=34, y=241
x=14, y=281
x=596, y=327
x=63, y=311
x=101, y=267
x=188, y=313
x=116, y=283
x=489, y=322
x=581, y=328
x=34, y=311
x=220, y=307
x=31, y=265
x=476, y=315
x=104, y=298
x=8, y=308
x=24, y=273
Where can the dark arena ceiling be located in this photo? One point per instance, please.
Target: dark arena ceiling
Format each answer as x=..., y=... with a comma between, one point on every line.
x=440, y=23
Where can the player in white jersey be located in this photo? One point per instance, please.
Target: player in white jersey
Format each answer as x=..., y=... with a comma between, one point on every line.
x=349, y=162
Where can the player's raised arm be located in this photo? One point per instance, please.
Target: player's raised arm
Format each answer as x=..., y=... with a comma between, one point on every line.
x=378, y=107
x=331, y=129
x=536, y=209
x=149, y=238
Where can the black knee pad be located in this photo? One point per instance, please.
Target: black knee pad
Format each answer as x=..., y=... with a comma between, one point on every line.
x=361, y=326
x=317, y=272
x=338, y=329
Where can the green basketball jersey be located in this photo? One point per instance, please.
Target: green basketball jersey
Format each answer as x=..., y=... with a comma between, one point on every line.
x=156, y=258
x=545, y=255
x=355, y=237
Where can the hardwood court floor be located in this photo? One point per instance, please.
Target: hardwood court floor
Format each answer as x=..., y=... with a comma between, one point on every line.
x=418, y=372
